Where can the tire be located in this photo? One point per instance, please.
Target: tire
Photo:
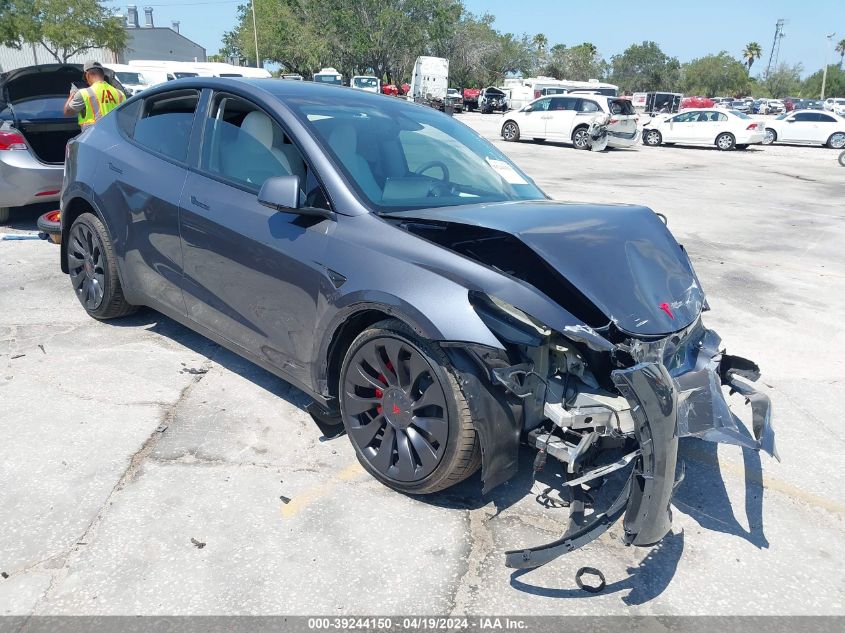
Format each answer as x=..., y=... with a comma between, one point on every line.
x=93, y=269
x=652, y=138
x=770, y=137
x=4, y=214
x=581, y=138
x=725, y=141
x=422, y=457
x=49, y=223
x=510, y=131
x=836, y=140
x=842, y=159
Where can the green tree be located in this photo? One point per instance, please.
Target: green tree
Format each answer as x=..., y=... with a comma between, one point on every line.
x=643, y=67
x=751, y=53
x=840, y=48
x=64, y=27
x=715, y=75
x=578, y=63
x=784, y=81
x=835, y=86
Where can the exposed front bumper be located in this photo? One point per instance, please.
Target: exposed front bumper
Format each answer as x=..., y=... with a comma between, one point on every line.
x=23, y=177
x=675, y=390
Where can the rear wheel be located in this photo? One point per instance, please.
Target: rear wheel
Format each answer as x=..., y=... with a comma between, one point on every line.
x=652, y=138
x=770, y=136
x=581, y=138
x=404, y=412
x=725, y=141
x=4, y=214
x=510, y=131
x=93, y=269
x=836, y=140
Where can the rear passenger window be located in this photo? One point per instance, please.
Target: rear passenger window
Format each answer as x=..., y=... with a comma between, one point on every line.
x=823, y=118
x=166, y=122
x=127, y=116
x=588, y=106
x=564, y=103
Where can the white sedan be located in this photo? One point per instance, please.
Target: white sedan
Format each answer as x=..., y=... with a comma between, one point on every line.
x=567, y=118
x=807, y=126
x=726, y=129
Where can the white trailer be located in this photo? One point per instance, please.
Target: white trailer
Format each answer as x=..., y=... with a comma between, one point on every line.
x=430, y=80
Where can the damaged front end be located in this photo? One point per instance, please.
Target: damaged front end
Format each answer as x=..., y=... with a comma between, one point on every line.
x=601, y=403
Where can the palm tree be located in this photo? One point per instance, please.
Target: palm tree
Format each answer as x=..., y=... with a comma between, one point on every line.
x=752, y=52
x=840, y=48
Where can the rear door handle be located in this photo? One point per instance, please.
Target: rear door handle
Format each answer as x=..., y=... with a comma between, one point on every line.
x=201, y=205
x=114, y=167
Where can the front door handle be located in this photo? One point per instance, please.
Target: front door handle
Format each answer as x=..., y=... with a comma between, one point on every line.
x=114, y=167
x=201, y=205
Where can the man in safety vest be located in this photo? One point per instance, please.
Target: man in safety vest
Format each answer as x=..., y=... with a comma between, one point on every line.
x=93, y=103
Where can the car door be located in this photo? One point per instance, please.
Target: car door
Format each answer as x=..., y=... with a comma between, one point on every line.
x=533, y=121
x=826, y=126
x=704, y=127
x=251, y=274
x=676, y=128
x=143, y=182
x=802, y=127
x=561, y=117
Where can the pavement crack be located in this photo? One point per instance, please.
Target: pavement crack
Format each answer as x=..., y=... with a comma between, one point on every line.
x=480, y=547
x=129, y=475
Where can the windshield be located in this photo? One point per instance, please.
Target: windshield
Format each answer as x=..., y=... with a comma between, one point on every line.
x=366, y=82
x=328, y=79
x=400, y=156
x=130, y=78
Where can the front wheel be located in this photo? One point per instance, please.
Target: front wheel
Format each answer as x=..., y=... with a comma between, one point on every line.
x=93, y=269
x=510, y=131
x=652, y=138
x=404, y=412
x=581, y=138
x=836, y=140
x=770, y=136
x=725, y=141
x=842, y=159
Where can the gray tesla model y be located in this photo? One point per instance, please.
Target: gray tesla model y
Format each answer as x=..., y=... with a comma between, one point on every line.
x=402, y=271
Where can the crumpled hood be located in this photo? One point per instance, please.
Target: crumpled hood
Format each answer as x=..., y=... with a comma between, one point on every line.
x=622, y=258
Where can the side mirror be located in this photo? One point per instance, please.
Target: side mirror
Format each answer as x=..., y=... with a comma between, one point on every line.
x=528, y=108
x=282, y=194
x=791, y=119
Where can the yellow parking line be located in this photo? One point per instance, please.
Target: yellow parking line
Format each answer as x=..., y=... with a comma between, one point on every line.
x=310, y=495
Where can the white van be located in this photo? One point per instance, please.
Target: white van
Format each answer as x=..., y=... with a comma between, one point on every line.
x=328, y=76
x=368, y=83
x=131, y=77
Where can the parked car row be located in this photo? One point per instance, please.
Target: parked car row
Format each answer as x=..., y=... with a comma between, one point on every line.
x=566, y=118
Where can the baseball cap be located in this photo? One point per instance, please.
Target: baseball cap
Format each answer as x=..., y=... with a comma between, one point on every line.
x=92, y=65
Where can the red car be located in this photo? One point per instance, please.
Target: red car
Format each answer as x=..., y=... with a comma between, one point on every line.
x=389, y=89
x=697, y=102
x=471, y=98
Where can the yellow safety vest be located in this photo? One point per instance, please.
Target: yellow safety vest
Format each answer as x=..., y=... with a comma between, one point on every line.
x=100, y=99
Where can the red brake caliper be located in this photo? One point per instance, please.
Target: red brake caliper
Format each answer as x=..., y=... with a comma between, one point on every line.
x=379, y=392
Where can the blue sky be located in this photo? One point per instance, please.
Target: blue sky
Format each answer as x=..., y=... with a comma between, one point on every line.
x=682, y=28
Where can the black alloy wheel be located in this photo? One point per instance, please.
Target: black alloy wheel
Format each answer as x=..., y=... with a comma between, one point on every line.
x=404, y=413
x=92, y=267
x=85, y=262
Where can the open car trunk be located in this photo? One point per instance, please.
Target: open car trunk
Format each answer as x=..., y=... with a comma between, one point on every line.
x=47, y=139
x=31, y=98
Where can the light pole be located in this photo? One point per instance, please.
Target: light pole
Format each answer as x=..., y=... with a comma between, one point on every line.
x=255, y=35
x=824, y=72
